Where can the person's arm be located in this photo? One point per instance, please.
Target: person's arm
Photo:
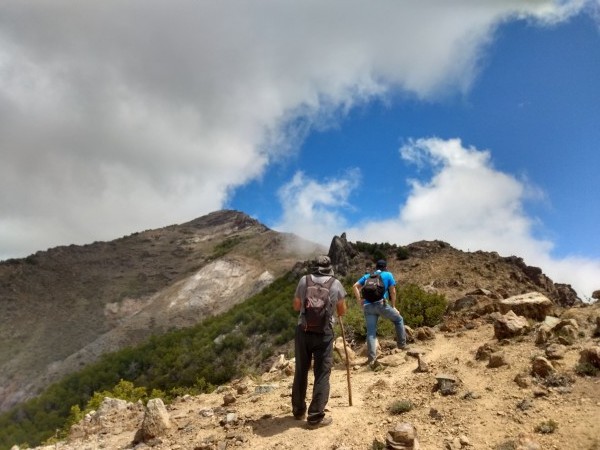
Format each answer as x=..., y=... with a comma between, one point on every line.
x=356, y=289
x=392, y=292
x=341, y=307
x=300, y=289
x=297, y=304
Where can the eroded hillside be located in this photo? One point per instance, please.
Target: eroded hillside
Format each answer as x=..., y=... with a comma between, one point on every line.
x=64, y=307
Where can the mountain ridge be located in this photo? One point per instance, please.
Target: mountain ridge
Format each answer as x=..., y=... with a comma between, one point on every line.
x=66, y=306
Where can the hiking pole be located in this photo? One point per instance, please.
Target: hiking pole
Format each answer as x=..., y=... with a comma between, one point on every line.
x=347, y=361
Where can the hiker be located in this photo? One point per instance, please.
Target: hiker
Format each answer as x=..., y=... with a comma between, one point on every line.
x=316, y=295
x=378, y=304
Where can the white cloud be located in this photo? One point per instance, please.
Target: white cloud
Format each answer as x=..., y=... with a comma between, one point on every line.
x=473, y=206
x=314, y=210
x=118, y=115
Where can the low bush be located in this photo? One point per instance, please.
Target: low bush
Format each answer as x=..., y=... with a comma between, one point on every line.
x=546, y=427
x=400, y=407
x=586, y=369
x=420, y=308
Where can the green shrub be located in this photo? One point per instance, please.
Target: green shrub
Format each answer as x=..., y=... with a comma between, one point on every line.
x=402, y=253
x=586, y=369
x=420, y=308
x=400, y=407
x=546, y=427
x=378, y=445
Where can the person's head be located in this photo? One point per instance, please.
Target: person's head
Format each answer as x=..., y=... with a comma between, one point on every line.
x=381, y=264
x=323, y=266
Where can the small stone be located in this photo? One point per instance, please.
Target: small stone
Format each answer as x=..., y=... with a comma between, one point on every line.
x=228, y=399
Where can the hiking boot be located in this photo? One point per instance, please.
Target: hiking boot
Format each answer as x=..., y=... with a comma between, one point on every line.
x=320, y=423
x=300, y=416
x=375, y=365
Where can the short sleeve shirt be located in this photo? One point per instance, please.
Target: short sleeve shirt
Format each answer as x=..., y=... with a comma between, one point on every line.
x=386, y=277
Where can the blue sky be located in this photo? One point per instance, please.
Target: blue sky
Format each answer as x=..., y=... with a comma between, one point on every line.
x=392, y=121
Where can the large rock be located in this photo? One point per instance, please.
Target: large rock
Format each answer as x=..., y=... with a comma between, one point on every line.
x=532, y=305
x=156, y=421
x=590, y=355
x=342, y=350
x=402, y=437
x=541, y=367
x=510, y=325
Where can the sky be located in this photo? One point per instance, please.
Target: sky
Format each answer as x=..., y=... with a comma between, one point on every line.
x=473, y=122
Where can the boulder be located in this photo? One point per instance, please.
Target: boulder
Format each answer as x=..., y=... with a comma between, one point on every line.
x=510, y=325
x=532, y=305
x=556, y=351
x=425, y=333
x=590, y=355
x=485, y=351
x=338, y=346
x=156, y=421
x=541, y=367
x=526, y=442
x=402, y=437
x=497, y=359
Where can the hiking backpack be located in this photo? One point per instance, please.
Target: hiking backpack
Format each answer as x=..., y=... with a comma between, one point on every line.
x=374, y=288
x=317, y=307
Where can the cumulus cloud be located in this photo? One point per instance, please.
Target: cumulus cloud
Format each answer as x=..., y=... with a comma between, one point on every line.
x=313, y=209
x=466, y=202
x=117, y=116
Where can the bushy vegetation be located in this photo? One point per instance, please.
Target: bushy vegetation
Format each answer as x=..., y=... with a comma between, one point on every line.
x=225, y=247
x=546, y=427
x=217, y=350
x=400, y=407
x=380, y=250
x=586, y=369
x=420, y=308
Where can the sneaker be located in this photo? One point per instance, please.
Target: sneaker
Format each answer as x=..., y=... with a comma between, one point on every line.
x=320, y=423
x=300, y=416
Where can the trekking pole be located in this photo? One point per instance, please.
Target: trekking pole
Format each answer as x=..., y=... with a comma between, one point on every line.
x=347, y=361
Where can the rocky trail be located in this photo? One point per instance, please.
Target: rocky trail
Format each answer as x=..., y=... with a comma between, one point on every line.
x=493, y=400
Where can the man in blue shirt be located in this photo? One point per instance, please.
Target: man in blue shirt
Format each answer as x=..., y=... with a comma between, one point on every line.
x=373, y=309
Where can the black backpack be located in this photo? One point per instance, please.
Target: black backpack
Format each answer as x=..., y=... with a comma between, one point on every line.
x=374, y=288
x=317, y=307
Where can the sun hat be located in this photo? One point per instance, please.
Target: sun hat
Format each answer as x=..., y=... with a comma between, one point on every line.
x=324, y=265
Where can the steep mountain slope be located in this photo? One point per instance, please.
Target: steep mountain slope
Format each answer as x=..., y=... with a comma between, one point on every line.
x=64, y=307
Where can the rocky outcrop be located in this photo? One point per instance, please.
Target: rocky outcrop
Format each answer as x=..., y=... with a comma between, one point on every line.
x=341, y=254
x=532, y=305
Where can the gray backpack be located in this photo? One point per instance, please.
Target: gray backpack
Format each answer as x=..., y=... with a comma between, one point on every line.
x=317, y=307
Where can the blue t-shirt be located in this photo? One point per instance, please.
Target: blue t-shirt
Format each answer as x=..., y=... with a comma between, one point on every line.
x=386, y=277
